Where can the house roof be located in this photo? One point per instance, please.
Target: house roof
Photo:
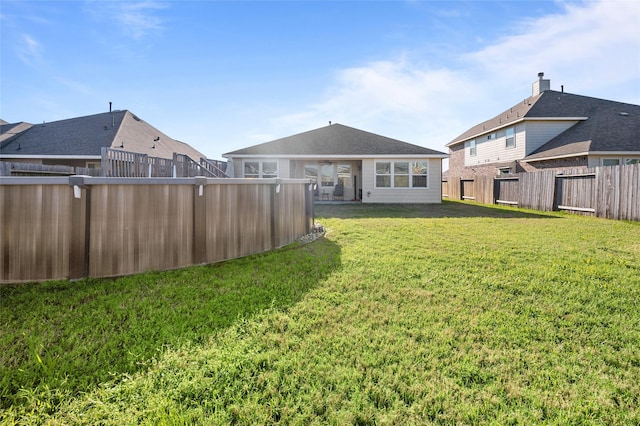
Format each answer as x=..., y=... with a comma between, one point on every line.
x=335, y=140
x=612, y=127
x=86, y=136
x=600, y=127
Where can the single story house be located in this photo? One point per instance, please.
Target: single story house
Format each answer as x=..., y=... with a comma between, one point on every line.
x=346, y=164
x=78, y=142
x=549, y=130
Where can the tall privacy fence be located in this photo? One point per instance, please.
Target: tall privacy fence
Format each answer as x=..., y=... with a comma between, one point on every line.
x=80, y=226
x=120, y=163
x=611, y=192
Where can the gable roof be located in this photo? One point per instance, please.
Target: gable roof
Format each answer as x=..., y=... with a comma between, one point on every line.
x=335, y=140
x=552, y=104
x=86, y=136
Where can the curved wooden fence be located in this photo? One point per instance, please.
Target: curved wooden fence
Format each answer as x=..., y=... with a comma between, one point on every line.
x=80, y=226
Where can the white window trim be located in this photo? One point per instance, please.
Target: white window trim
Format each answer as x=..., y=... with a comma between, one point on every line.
x=618, y=159
x=507, y=137
x=260, y=168
x=392, y=174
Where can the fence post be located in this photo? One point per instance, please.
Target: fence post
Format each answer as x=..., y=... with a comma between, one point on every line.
x=80, y=228
x=199, y=221
x=275, y=188
x=308, y=199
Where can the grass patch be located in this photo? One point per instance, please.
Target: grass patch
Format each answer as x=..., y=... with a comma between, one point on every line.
x=457, y=313
x=59, y=339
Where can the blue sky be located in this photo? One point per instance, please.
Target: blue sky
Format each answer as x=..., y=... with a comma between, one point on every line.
x=223, y=75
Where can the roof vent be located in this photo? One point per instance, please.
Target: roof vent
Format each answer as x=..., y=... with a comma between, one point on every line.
x=624, y=114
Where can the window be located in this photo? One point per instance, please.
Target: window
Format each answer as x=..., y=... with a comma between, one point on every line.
x=510, y=141
x=326, y=175
x=419, y=174
x=401, y=174
x=383, y=175
x=252, y=169
x=631, y=160
x=260, y=169
x=344, y=174
x=269, y=169
x=311, y=172
x=472, y=148
x=610, y=161
x=491, y=136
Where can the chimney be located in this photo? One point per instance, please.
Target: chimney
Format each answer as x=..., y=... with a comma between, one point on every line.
x=540, y=85
x=109, y=107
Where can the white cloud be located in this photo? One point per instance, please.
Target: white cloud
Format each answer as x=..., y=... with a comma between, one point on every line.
x=30, y=50
x=593, y=48
x=135, y=19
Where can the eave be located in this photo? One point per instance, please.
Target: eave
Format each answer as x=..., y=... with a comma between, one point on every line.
x=333, y=157
x=53, y=157
x=511, y=123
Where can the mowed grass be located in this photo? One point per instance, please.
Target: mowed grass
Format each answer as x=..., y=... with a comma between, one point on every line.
x=449, y=314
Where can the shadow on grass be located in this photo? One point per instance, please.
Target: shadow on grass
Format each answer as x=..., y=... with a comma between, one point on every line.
x=448, y=209
x=70, y=337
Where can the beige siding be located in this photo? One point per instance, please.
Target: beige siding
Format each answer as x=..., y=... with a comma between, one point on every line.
x=540, y=132
x=431, y=194
x=495, y=150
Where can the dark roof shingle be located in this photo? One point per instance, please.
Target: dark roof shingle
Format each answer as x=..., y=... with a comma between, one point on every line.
x=603, y=130
x=335, y=140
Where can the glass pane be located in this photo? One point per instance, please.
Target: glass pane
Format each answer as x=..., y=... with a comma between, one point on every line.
x=383, y=181
x=311, y=172
x=326, y=172
x=383, y=168
x=401, y=168
x=610, y=162
x=632, y=161
x=251, y=169
x=401, y=181
x=344, y=174
x=269, y=169
x=419, y=168
x=419, y=181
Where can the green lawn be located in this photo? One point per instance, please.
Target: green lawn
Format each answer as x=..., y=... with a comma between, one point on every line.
x=449, y=314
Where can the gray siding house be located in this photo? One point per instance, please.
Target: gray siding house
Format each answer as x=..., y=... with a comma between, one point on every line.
x=549, y=130
x=347, y=164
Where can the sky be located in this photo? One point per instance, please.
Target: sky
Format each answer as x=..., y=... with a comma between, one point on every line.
x=225, y=75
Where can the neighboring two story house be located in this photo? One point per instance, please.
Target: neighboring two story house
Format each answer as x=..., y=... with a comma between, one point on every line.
x=347, y=164
x=549, y=130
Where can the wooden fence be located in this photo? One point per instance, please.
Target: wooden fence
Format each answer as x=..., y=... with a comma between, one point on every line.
x=611, y=192
x=79, y=226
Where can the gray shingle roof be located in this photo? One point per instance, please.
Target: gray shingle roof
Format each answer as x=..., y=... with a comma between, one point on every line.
x=86, y=136
x=611, y=127
x=335, y=140
x=604, y=130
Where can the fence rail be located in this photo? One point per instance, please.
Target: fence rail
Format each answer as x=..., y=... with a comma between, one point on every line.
x=611, y=192
x=79, y=226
